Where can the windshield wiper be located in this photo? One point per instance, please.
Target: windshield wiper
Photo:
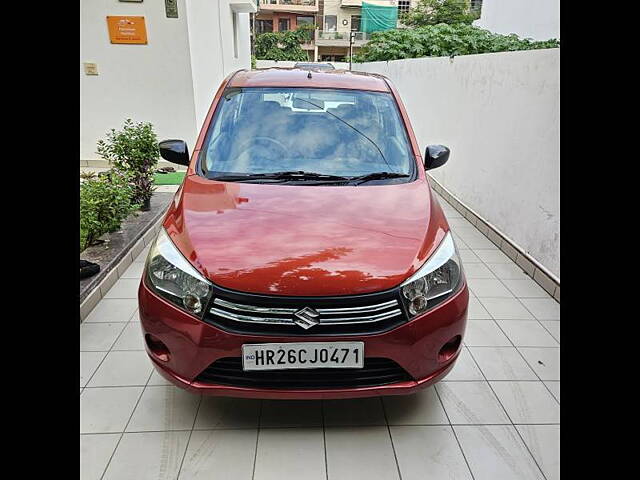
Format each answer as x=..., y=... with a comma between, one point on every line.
x=286, y=175
x=377, y=176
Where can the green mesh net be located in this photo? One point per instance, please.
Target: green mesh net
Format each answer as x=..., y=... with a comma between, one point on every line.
x=378, y=17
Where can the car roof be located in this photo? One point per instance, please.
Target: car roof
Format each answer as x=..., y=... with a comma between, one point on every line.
x=293, y=77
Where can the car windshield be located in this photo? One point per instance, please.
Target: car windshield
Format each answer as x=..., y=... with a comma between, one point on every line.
x=345, y=133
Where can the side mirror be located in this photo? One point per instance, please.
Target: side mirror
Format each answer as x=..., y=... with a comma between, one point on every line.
x=436, y=156
x=174, y=151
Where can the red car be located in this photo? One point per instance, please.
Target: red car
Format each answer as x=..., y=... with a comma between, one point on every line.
x=304, y=255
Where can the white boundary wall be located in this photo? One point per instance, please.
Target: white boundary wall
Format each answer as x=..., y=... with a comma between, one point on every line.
x=500, y=115
x=169, y=82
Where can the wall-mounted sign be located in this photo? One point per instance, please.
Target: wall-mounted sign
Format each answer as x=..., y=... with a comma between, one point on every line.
x=90, y=68
x=127, y=30
x=171, y=7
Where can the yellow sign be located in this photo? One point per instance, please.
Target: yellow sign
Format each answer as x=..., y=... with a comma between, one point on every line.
x=127, y=30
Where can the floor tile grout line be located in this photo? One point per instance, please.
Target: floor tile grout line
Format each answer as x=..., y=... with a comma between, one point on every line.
x=508, y=346
x=529, y=365
x=514, y=293
x=255, y=453
x=393, y=447
x=122, y=435
x=548, y=331
x=513, y=345
x=523, y=358
x=455, y=435
x=119, y=386
x=96, y=370
x=105, y=357
x=519, y=299
x=522, y=303
x=195, y=417
x=84, y=322
x=324, y=441
x=509, y=417
x=302, y=427
x=126, y=425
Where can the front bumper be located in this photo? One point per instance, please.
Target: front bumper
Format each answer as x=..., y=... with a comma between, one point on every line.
x=194, y=345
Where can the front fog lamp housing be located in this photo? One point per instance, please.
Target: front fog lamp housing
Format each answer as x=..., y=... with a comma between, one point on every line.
x=174, y=278
x=436, y=279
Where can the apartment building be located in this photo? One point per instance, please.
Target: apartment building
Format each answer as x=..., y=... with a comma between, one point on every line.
x=334, y=20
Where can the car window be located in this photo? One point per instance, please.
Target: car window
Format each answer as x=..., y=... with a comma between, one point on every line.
x=334, y=132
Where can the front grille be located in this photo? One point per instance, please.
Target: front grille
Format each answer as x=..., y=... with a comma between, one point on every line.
x=317, y=316
x=376, y=372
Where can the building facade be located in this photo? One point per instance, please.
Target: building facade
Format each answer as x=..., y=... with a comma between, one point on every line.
x=334, y=20
x=169, y=79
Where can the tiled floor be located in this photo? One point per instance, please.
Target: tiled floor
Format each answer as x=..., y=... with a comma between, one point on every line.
x=496, y=416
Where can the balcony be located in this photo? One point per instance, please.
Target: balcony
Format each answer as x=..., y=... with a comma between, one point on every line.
x=243, y=6
x=297, y=6
x=325, y=38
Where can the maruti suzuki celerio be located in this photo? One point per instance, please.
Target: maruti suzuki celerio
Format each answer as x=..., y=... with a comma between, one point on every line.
x=304, y=255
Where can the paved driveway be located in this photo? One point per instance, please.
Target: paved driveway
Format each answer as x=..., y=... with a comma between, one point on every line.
x=496, y=416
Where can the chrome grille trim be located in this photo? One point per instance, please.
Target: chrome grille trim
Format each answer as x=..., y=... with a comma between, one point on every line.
x=256, y=314
x=367, y=308
x=372, y=318
x=249, y=318
x=252, y=308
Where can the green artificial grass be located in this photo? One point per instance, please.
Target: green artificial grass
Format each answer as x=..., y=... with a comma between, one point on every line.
x=172, y=178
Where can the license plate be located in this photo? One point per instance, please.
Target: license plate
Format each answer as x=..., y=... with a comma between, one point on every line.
x=285, y=356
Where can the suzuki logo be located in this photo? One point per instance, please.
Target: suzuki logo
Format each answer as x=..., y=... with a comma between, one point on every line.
x=306, y=318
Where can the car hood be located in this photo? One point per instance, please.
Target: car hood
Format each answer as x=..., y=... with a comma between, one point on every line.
x=305, y=240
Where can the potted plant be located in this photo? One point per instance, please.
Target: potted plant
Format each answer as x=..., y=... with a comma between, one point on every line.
x=133, y=151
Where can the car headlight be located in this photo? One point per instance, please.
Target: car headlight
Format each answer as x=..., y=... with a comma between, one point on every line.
x=174, y=278
x=435, y=280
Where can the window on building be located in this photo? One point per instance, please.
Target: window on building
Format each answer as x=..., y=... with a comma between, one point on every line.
x=403, y=6
x=355, y=23
x=264, y=26
x=305, y=21
x=283, y=24
x=330, y=23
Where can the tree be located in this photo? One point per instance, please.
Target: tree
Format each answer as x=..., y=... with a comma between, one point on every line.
x=283, y=45
x=433, y=12
x=442, y=40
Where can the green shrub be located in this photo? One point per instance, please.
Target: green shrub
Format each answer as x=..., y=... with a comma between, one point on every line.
x=442, y=40
x=133, y=151
x=283, y=46
x=104, y=202
x=433, y=12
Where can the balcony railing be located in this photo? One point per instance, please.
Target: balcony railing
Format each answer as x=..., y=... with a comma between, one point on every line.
x=284, y=4
x=351, y=3
x=330, y=38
